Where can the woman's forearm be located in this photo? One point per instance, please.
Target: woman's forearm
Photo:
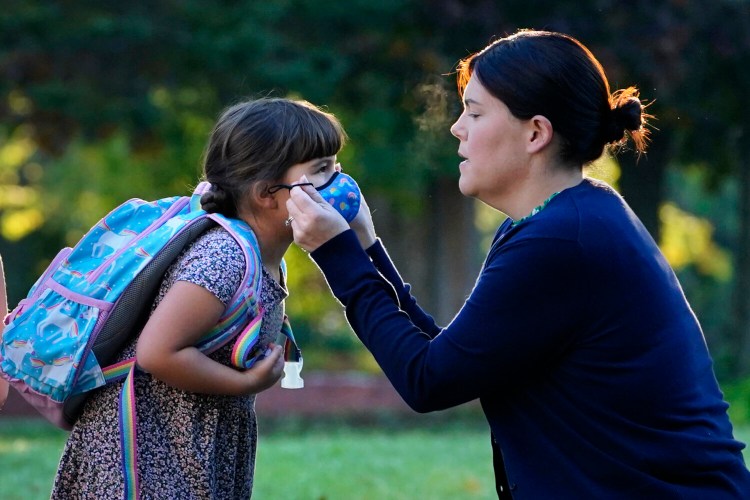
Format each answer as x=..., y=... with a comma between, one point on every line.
x=404, y=352
x=407, y=301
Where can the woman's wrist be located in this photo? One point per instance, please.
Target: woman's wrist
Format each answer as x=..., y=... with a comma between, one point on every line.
x=339, y=257
x=372, y=248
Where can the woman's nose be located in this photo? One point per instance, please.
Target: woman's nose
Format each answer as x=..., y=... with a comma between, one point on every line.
x=456, y=129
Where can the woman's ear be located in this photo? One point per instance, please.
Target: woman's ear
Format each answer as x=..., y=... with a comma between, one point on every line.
x=541, y=133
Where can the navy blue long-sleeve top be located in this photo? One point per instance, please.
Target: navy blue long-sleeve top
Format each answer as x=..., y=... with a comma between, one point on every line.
x=590, y=366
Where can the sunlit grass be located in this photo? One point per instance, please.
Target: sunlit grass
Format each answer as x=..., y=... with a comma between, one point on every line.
x=328, y=461
x=29, y=451
x=372, y=464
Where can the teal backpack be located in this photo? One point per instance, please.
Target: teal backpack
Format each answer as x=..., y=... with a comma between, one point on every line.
x=61, y=341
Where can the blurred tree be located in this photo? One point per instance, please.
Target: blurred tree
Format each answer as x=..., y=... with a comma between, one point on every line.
x=103, y=100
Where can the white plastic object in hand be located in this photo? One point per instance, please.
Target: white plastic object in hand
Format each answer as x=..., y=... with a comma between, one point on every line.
x=292, y=379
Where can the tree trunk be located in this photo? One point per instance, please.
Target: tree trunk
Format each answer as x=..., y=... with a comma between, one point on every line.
x=451, y=245
x=435, y=251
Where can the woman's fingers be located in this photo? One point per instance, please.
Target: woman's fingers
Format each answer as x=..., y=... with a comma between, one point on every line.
x=314, y=221
x=311, y=191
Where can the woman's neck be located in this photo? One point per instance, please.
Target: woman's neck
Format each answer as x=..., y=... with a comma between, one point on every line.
x=539, y=188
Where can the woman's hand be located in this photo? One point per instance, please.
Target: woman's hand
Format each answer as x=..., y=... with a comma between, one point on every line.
x=313, y=220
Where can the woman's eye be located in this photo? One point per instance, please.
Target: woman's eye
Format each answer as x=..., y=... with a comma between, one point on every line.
x=470, y=114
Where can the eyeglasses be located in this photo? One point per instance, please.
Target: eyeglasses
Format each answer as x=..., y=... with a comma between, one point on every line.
x=278, y=187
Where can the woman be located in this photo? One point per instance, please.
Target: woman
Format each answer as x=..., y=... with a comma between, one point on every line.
x=197, y=430
x=577, y=339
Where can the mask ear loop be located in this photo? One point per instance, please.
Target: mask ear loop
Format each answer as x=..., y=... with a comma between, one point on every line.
x=328, y=182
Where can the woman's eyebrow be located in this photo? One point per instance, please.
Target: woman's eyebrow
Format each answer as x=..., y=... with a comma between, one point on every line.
x=468, y=102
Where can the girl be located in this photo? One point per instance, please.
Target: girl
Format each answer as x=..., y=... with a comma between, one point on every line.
x=196, y=421
x=590, y=365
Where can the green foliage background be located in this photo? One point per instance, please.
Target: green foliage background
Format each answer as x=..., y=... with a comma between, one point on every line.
x=101, y=101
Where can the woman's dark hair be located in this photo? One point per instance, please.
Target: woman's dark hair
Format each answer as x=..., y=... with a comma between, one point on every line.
x=260, y=140
x=554, y=75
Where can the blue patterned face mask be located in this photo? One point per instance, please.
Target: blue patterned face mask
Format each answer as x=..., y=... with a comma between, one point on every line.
x=341, y=191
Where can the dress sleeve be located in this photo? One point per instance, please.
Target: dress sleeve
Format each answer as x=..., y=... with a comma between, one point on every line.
x=407, y=302
x=215, y=262
x=520, y=316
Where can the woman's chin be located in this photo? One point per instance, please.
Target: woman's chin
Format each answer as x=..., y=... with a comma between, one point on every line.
x=465, y=187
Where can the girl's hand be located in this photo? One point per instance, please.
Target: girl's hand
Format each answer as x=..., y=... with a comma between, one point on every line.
x=313, y=220
x=166, y=347
x=267, y=371
x=363, y=226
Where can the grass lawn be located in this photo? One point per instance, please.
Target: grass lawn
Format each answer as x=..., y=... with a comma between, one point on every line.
x=328, y=462
x=323, y=462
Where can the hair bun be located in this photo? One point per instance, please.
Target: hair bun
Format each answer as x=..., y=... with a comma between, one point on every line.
x=629, y=113
x=215, y=200
x=626, y=115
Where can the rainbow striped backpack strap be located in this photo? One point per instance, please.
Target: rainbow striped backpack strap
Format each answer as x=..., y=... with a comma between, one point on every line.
x=243, y=317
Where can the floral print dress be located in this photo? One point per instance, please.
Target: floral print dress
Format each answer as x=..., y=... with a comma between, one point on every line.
x=189, y=445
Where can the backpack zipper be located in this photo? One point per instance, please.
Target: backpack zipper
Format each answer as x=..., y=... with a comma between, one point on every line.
x=173, y=210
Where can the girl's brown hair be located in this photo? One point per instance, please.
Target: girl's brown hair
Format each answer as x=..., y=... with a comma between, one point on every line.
x=260, y=140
